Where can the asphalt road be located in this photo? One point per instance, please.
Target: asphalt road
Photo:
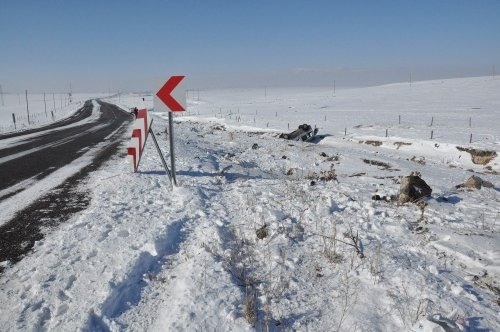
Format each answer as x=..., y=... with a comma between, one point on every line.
x=41, y=153
x=46, y=149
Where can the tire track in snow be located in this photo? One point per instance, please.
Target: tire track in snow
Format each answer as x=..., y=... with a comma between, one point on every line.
x=127, y=293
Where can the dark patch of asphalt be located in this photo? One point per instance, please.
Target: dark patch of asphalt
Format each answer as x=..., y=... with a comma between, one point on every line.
x=18, y=236
x=55, y=148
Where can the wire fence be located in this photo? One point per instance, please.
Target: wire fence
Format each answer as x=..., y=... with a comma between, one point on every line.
x=23, y=110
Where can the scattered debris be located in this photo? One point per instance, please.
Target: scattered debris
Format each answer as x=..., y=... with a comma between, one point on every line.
x=374, y=143
x=490, y=170
x=386, y=198
x=399, y=144
x=357, y=174
x=479, y=157
x=377, y=163
x=154, y=278
x=324, y=175
x=291, y=171
x=419, y=229
x=219, y=127
x=255, y=133
x=413, y=188
x=419, y=160
x=475, y=182
x=329, y=158
x=255, y=146
x=262, y=232
x=284, y=157
x=319, y=269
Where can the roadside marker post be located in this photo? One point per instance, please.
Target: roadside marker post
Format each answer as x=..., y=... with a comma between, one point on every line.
x=171, y=97
x=140, y=132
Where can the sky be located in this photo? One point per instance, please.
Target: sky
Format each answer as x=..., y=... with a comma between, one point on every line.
x=99, y=46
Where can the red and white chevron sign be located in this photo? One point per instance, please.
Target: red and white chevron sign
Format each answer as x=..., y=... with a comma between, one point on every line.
x=171, y=96
x=140, y=132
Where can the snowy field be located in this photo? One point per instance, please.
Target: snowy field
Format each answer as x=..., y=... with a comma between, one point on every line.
x=42, y=109
x=268, y=234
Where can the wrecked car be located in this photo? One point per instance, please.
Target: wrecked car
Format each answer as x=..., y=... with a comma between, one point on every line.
x=304, y=133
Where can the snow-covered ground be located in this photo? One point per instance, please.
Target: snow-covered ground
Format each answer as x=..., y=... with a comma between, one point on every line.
x=42, y=109
x=145, y=257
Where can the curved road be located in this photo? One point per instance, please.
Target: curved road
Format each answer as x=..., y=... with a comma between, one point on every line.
x=44, y=150
x=36, y=153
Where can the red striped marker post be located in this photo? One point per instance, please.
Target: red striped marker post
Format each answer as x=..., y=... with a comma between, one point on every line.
x=140, y=133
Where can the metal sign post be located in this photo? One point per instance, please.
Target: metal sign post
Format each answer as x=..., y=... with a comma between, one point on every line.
x=171, y=97
x=172, y=147
x=161, y=155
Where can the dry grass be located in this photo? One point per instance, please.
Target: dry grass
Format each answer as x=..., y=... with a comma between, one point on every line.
x=373, y=143
x=249, y=310
x=479, y=157
x=399, y=144
x=377, y=163
x=326, y=176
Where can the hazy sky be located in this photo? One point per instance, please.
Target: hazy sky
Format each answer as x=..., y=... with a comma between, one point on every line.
x=125, y=45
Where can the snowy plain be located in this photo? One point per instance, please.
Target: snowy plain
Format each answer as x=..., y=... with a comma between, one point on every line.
x=144, y=256
x=43, y=109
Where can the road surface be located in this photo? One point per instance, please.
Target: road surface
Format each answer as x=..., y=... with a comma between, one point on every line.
x=44, y=150
x=37, y=153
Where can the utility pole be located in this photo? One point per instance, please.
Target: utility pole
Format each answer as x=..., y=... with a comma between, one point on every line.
x=27, y=108
x=70, y=93
x=1, y=94
x=45, y=104
x=54, y=100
